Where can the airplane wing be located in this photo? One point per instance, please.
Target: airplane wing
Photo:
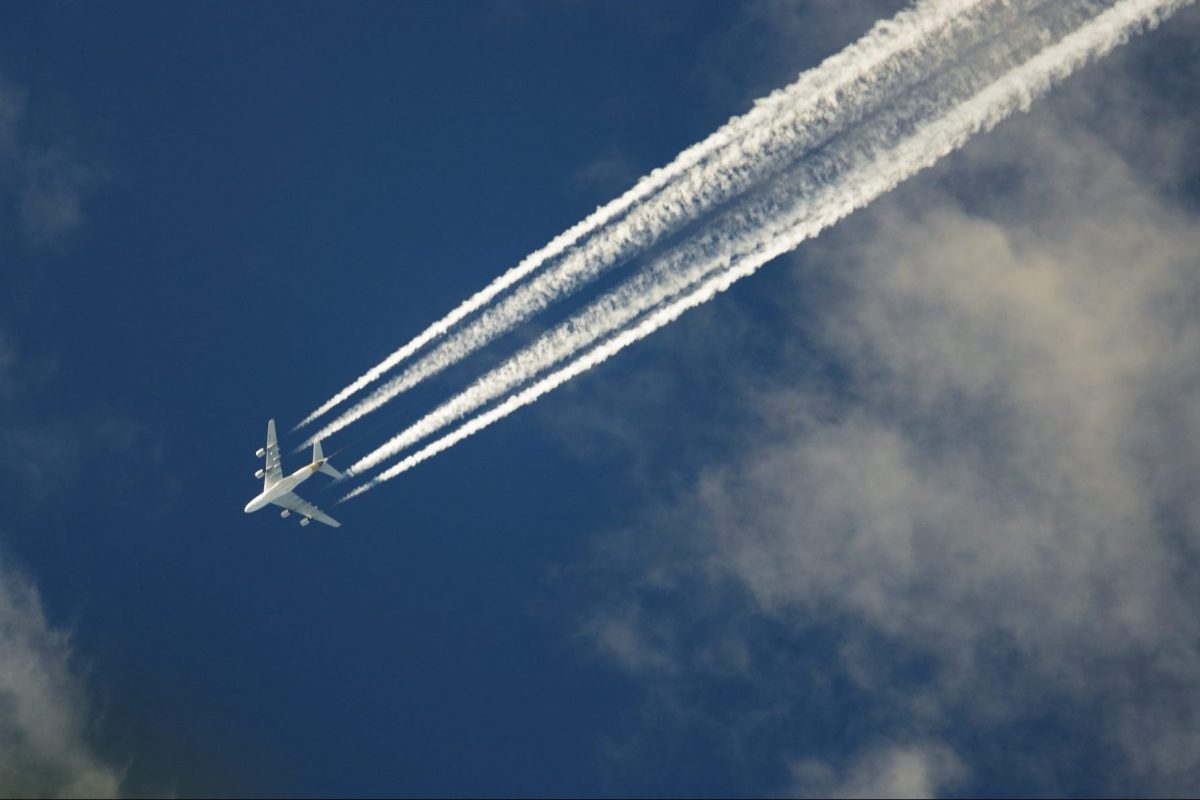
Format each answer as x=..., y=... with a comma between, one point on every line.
x=294, y=502
x=274, y=470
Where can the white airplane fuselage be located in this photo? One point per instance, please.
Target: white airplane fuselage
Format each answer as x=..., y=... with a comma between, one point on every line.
x=278, y=490
x=282, y=487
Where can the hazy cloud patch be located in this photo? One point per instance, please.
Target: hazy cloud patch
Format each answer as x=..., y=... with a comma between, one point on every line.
x=978, y=525
x=44, y=184
x=45, y=723
x=43, y=716
x=607, y=176
x=912, y=771
x=51, y=202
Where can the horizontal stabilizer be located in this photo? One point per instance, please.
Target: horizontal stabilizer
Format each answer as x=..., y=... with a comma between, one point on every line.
x=326, y=467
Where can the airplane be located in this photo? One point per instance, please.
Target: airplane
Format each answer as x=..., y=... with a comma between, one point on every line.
x=277, y=489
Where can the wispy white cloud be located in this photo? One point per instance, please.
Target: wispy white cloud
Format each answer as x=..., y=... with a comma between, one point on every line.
x=52, y=198
x=45, y=725
x=606, y=175
x=986, y=522
x=43, y=183
x=903, y=771
x=42, y=455
x=43, y=710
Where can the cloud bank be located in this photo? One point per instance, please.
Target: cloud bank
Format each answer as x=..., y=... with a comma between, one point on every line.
x=964, y=547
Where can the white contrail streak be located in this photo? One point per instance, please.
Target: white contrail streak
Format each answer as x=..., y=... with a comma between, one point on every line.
x=821, y=181
x=1014, y=91
x=704, y=175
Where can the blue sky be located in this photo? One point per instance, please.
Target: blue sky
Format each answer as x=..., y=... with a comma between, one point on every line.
x=911, y=509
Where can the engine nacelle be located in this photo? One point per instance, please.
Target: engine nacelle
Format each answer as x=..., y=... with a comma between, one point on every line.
x=260, y=453
x=258, y=474
x=304, y=522
x=284, y=513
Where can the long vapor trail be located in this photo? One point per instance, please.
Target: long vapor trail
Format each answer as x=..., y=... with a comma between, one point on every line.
x=792, y=222
x=819, y=182
x=821, y=102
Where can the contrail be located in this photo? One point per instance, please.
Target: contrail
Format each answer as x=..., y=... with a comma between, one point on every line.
x=701, y=177
x=1014, y=91
x=820, y=181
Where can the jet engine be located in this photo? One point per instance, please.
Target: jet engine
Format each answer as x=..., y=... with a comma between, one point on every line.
x=284, y=513
x=304, y=522
x=258, y=474
x=260, y=453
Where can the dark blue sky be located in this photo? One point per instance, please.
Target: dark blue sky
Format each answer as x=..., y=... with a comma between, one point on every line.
x=269, y=198
x=277, y=195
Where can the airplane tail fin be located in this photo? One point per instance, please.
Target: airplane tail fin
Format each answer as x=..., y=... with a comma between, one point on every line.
x=327, y=468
